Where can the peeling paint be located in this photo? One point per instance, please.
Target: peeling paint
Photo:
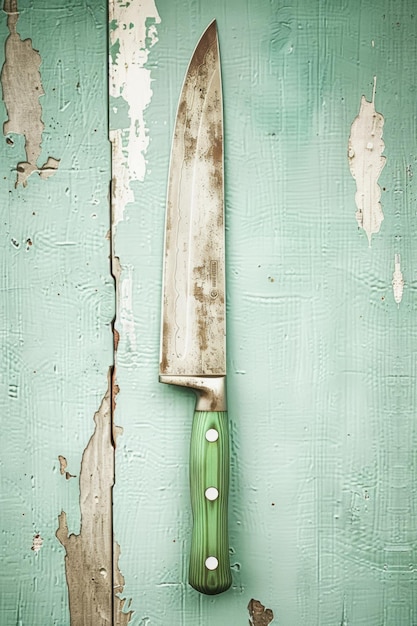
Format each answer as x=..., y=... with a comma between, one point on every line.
x=397, y=280
x=366, y=163
x=122, y=613
x=132, y=35
x=259, y=615
x=63, y=467
x=22, y=88
x=94, y=587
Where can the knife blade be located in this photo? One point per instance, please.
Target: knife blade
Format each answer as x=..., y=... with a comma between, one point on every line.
x=193, y=329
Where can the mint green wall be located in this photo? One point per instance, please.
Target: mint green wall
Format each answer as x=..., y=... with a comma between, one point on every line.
x=56, y=306
x=321, y=359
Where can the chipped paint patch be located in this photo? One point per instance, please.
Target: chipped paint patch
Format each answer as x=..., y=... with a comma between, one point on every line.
x=37, y=543
x=132, y=35
x=63, y=467
x=259, y=615
x=22, y=88
x=397, y=280
x=92, y=583
x=366, y=163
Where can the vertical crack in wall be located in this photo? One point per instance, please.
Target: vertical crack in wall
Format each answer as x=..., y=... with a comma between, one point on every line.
x=259, y=615
x=91, y=561
x=366, y=163
x=22, y=88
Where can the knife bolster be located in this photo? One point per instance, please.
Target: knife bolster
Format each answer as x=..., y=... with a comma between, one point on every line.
x=210, y=390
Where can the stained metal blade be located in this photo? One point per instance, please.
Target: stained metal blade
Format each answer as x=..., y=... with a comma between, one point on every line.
x=193, y=309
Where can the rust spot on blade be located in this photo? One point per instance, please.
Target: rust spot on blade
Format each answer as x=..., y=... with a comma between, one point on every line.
x=198, y=293
x=196, y=81
x=202, y=333
x=208, y=39
x=216, y=141
x=200, y=280
x=215, y=155
x=199, y=275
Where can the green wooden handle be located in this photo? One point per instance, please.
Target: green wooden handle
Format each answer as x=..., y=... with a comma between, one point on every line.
x=209, y=482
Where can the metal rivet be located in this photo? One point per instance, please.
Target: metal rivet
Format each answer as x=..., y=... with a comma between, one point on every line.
x=212, y=435
x=211, y=493
x=211, y=563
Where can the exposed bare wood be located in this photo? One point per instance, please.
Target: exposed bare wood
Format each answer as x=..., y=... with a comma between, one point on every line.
x=22, y=88
x=89, y=561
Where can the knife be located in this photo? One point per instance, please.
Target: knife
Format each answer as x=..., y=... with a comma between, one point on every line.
x=193, y=336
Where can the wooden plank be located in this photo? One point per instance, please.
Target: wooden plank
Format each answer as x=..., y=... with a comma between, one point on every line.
x=58, y=300
x=320, y=346
x=321, y=387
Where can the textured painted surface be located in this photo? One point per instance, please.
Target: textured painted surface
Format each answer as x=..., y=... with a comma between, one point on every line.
x=57, y=302
x=321, y=388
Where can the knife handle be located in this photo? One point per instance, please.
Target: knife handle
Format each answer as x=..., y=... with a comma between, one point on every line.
x=209, y=570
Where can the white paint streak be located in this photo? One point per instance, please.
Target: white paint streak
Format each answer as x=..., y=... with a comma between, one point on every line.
x=397, y=280
x=131, y=40
x=366, y=163
x=126, y=319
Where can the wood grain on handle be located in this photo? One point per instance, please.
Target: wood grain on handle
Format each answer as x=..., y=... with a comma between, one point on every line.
x=209, y=482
